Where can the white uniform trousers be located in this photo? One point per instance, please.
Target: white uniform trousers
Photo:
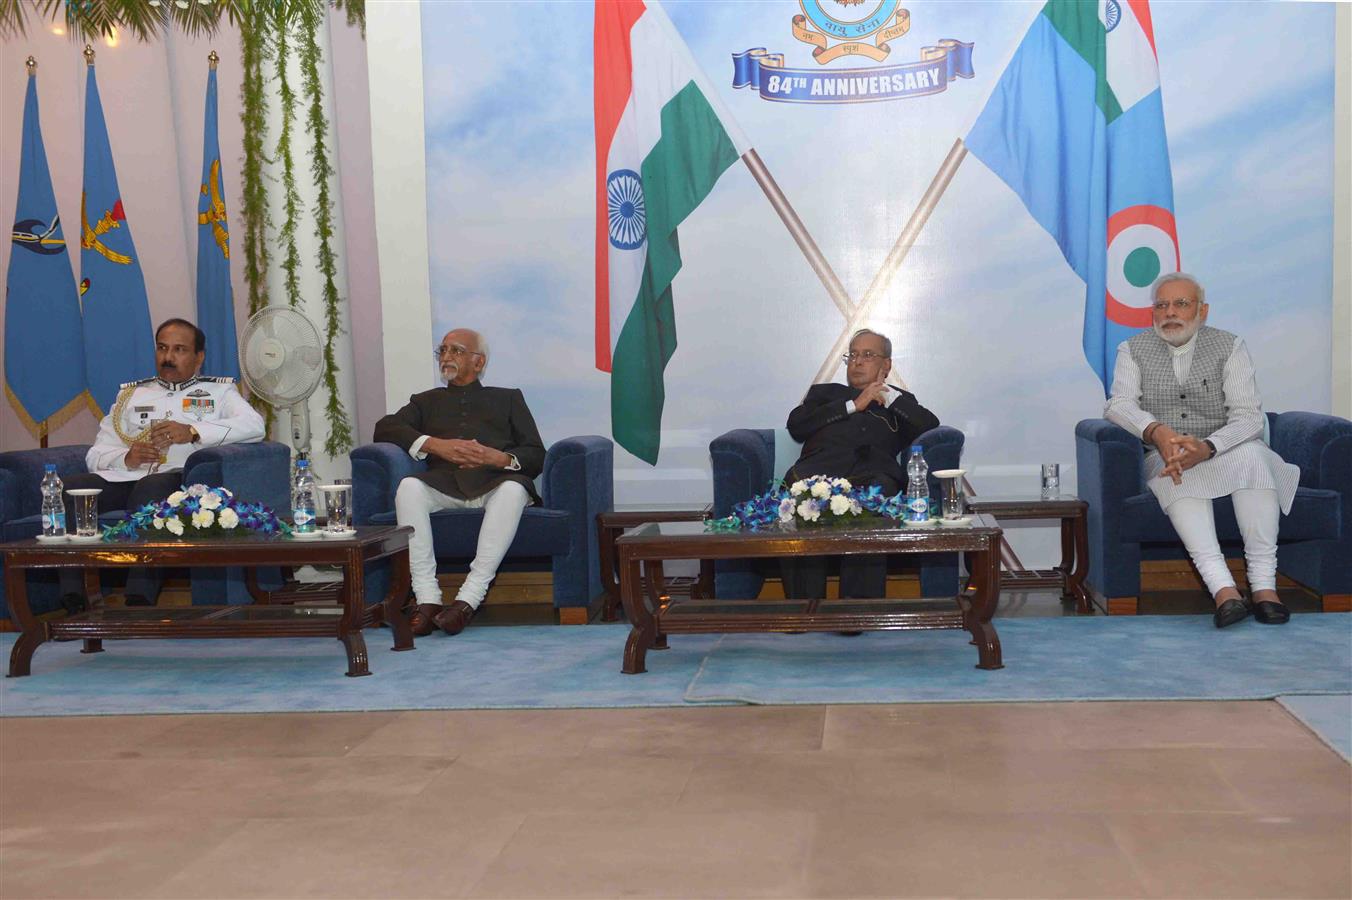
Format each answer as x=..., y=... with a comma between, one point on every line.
x=1257, y=512
x=414, y=504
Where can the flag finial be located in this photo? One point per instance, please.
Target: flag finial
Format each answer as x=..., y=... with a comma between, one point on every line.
x=31, y=64
x=89, y=54
x=212, y=59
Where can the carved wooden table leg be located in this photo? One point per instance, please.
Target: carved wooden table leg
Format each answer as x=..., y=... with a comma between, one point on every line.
x=1076, y=578
x=986, y=576
x=704, y=588
x=34, y=632
x=94, y=600
x=644, y=627
x=396, y=602
x=656, y=581
x=605, y=548
x=354, y=609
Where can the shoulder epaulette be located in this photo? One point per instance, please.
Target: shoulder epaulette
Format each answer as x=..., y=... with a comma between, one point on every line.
x=131, y=384
x=217, y=379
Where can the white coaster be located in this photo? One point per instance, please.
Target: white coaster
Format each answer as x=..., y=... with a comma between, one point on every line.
x=85, y=538
x=52, y=538
x=307, y=535
x=347, y=533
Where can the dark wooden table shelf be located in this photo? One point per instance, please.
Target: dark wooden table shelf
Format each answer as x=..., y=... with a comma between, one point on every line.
x=654, y=614
x=610, y=525
x=273, y=614
x=1070, y=574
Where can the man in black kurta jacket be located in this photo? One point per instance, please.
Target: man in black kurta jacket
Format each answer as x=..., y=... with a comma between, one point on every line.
x=482, y=451
x=854, y=431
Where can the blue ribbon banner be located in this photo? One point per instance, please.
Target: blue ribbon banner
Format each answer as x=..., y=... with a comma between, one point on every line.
x=938, y=65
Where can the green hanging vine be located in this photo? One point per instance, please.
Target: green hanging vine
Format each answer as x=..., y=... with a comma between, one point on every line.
x=291, y=203
x=253, y=194
x=339, y=440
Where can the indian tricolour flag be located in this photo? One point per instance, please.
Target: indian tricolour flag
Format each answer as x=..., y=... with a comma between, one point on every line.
x=663, y=138
x=1075, y=126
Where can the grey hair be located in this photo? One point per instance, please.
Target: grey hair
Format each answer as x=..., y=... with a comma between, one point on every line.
x=481, y=346
x=1170, y=278
x=887, y=342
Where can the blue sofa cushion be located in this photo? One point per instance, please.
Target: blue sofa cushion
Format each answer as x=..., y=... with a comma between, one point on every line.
x=1315, y=515
x=455, y=532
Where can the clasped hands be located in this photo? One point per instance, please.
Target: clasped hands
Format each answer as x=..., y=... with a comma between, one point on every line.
x=873, y=393
x=467, y=453
x=163, y=434
x=1179, y=451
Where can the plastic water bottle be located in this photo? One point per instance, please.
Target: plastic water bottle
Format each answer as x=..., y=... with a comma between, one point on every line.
x=917, y=492
x=303, y=498
x=53, y=508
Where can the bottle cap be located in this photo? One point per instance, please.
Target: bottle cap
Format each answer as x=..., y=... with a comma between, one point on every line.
x=917, y=447
x=302, y=464
x=49, y=467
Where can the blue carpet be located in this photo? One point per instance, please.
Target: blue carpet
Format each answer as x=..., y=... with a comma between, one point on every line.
x=1098, y=658
x=1330, y=717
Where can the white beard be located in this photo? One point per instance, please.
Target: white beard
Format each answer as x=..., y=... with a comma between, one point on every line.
x=1179, y=338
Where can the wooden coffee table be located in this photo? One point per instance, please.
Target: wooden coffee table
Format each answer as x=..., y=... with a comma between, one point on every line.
x=264, y=618
x=610, y=525
x=655, y=615
x=1069, y=576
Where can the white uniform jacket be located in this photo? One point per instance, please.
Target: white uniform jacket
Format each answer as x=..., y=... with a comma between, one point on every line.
x=214, y=406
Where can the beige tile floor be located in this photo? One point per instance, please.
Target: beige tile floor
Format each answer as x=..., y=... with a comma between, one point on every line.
x=982, y=800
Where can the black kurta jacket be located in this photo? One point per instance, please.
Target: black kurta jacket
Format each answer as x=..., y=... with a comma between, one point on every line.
x=859, y=446
x=495, y=417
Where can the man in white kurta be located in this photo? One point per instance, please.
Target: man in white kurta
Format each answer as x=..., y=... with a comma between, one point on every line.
x=154, y=426
x=1189, y=392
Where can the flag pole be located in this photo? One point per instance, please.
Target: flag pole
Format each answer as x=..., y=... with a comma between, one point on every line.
x=895, y=258
x=212, y=59
x=798, y=231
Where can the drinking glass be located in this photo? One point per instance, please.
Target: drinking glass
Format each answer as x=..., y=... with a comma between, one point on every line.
x=1051, y=480
x=337, y=507
x=954, y=502
x=86, y=510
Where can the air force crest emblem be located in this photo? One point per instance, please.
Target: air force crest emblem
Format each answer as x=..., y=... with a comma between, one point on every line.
x=852, y=23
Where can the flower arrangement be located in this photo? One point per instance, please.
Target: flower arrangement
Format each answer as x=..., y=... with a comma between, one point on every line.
x=817, y=501
x=199, y=511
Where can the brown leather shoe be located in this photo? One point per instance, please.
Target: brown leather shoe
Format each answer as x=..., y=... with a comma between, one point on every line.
x=421, y=619
x=455, y=617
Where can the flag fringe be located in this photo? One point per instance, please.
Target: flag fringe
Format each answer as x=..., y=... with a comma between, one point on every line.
x=57, y=419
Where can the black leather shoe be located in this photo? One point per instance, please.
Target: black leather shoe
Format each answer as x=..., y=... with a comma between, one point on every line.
x=1230, y=612
x=1271, y=612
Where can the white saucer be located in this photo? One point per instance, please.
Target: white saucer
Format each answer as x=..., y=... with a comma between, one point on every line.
x=307, y=535
x=84, y=538
x=960, y=520
x=339, y=534
x=52, y=538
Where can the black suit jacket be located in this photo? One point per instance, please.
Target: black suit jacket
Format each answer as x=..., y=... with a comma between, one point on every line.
x=860, y=446
x=495, y=417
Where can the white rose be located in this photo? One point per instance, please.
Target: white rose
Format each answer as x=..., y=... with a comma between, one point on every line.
x=808, y=511
x=821, y=489
x=158, y=522
x=855, y=507
x=176, y=498
x=798, y=488
x=203, y=518
x=786, y=507
x=175, y=525
x=197, y=490
x=228, y=518
x=840, y=505
x=211, y=500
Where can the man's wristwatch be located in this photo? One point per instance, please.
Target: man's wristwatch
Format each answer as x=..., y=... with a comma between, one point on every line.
x=1210, y=446
x=196, y=438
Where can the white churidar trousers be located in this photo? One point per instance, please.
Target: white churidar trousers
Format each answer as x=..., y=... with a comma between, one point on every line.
x=1257, y=513
x=414, y=504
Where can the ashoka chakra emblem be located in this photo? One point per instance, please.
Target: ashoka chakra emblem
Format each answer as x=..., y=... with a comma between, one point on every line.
x=1112, y=14
x=626, y=210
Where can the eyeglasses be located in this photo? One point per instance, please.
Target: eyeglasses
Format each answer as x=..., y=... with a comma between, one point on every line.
x=865, y=355
x=453, y=350
x=1182, y=304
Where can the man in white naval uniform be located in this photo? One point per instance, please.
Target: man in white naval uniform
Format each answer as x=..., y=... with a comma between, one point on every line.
x=1189, y=392
x=154, y=426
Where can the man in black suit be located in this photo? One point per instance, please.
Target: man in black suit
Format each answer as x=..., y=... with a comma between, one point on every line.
x=482, y=450
x=854, y=431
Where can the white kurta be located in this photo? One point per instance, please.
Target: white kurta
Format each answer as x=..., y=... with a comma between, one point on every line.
x=216, y=409
x=1242, y=460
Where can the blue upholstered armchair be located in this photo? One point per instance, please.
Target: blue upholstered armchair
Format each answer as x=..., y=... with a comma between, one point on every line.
x=257, y=472
x=744, y=465
x=1127, y=525
x=577, y=483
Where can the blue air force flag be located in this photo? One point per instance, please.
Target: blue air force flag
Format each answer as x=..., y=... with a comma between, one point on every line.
x=118, y=338
x=44, y=353
x=215, y=298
